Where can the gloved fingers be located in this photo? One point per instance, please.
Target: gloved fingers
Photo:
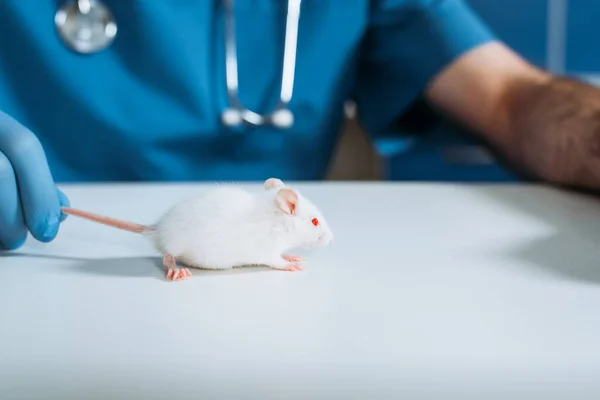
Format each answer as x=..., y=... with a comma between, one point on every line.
x=13, y=231
x=37, y=190
x=64, y=202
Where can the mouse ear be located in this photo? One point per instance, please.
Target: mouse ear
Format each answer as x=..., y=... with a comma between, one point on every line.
x=273, y=183
x=287, y=200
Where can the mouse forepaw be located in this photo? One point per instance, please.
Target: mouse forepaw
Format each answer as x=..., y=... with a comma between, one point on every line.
x=287, y=263
x=293, y=258
x=292, y=268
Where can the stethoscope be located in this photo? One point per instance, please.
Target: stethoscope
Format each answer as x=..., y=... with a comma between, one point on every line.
x=88, y=26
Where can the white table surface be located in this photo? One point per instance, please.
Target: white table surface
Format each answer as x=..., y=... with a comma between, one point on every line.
x=428, y=292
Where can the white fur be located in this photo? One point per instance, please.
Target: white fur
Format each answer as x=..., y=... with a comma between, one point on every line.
x=229, y=226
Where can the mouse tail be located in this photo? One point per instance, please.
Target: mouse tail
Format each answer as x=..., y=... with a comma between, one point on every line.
x=115, y=223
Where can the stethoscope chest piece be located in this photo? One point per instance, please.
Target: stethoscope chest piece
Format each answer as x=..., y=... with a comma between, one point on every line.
x=86, y=26
x=282, y=118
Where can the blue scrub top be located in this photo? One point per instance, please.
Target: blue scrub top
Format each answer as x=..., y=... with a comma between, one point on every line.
x=149, y=106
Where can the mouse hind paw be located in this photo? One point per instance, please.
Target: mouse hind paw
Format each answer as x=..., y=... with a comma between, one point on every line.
x=178, y=274
x=172, y=271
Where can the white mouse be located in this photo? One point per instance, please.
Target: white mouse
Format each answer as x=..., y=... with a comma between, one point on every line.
x=229, y=227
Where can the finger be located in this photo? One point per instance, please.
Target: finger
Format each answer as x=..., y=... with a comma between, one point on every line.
x=64, y=202
x=37, y=191
x=13, y=231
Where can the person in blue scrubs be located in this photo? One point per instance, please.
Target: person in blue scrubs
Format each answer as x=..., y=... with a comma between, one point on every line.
x=148, y=107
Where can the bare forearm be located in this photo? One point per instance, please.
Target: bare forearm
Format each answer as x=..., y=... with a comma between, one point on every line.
x=549, y=126
x=553, y=131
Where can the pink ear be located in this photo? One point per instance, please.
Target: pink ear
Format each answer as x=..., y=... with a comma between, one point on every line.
x=273, y=183
x=287, y=199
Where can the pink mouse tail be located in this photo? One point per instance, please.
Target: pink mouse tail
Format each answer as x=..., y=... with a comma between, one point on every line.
x=127, y=226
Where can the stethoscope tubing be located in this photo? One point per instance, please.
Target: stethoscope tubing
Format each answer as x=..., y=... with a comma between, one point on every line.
x=77, y=33
x=237, y=113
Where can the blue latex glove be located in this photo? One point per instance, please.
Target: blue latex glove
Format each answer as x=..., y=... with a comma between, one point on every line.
x=29, y=198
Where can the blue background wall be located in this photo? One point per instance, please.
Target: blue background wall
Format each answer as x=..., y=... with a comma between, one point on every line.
x=520, y=23
x=524, y=25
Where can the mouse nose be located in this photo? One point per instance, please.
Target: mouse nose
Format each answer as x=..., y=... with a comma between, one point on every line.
x=325, y=239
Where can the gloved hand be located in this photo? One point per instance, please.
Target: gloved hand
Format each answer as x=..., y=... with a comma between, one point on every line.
x=29, y=198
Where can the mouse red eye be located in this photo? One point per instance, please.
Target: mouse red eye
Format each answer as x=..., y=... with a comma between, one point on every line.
x=315, y=222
